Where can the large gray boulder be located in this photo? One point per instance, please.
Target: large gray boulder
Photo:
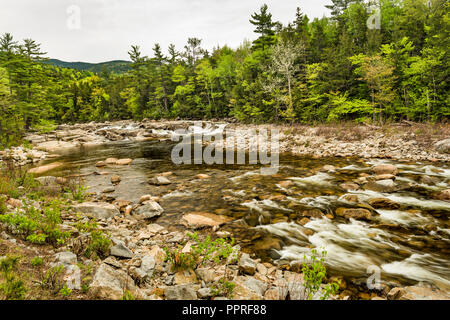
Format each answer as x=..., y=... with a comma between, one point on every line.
x=181, y=292
x=149, y=210
x=110, y=283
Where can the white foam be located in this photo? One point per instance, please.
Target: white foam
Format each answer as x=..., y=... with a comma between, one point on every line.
x=321, y=179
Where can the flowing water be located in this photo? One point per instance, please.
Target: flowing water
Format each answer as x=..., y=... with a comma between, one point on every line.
x=408, y=245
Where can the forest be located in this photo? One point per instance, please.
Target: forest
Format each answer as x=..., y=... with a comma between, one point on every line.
x=336, y=68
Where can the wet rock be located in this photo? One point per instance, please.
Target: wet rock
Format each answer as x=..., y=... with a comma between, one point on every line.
x=429, y=180
x=286, y=184
x=328, y=168
x=124, y=162
x=312, y=213
x=349, y=186
x=109, y=190
x=247, y=265
x=159, y=181
x=303, y=221
x=115, y=179
x=395, y=293
x=381, y=186
x=98, y=210
x=110, y=283
x=385, y=169
x=353, y=198
x=202, y=176
x=444, y=195
x=149, y=210
x=357, y=214
x=181, y=292
x=148, y=197
x=100, y=164
x=111, y=160
x=443, y=146
x=384, y=177
x=203, y=219
x=43, y=169
x=383, y=203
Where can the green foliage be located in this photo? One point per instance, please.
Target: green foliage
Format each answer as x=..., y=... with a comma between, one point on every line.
x=52, y=279
x=99, y=243
x=127, y=295
x=314, y=273
x=37, y=261
x=12, y=288
x=38, y=226
x=65, y=291
x=223, y=288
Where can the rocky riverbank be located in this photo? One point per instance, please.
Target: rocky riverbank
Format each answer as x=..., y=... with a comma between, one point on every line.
x=417, y=142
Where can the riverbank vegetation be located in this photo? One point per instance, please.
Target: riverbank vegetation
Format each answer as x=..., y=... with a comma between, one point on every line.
x=322, y=70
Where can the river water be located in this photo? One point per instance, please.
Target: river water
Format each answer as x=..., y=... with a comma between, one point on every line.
x=407, y=245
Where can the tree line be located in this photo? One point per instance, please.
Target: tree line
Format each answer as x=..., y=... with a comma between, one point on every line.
x=328, y=69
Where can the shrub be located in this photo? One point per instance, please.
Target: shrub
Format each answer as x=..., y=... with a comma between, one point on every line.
x=37, y=261
x=12, y=288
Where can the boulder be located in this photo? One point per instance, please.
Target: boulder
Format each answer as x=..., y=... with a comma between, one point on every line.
x=98, y=210
x=115, y=179
x=349, y=186
x=100, y=164
x=286, y=184
x=444, y=195
x=202, y=176
x=149, y=210
x=358, y=213
x=422, y=293
x=111, y=160
x=147, y=268
x=203, y=219
x=110, y=283
x=443, y=146
x=257, y=286
x=385, y=169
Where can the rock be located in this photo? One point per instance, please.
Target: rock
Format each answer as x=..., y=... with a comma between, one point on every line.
x=422, y=293
x=147, y=268
x=54, y=146
x=149, y=210
x=185, y=277
x=203, y=219
x=358, y=214
x=204, y=293
x=257, y=286
x=443, y=146
x=110, y=283
x=180, y=292
x=381, y=186
x=242, y=292
x=395, y=293
x=111, y=261
x=328, y=168
x=124, y=162
x=111, y=160
x=353, y=198
x=158, y=254
x=159, y=181
x=65, y=259
x=247, y=265
x=383, y=203
x=384, y=177
x=444, y=195
x=98, y=210
x=303, y=221
x=115, y=179
x=109, y=190
x=147, y=197
x=121, y=251
x=261, y=269
x=47, y=180
x=429, y=180
x=205, y=274
x=349, y=186
x=273, y=294
x=48, y=167
x=202, y=176
x=100, y=164
x=285, y=184
x=385, y=169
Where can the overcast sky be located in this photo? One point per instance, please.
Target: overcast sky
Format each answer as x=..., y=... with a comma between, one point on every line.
x=103, y=30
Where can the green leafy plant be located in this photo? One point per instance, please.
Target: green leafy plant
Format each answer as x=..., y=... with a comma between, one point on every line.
x=65, y=291
x=314, y=272
x=223, y=288
x=37, y=261
x=127, y=295
x=51, y=279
